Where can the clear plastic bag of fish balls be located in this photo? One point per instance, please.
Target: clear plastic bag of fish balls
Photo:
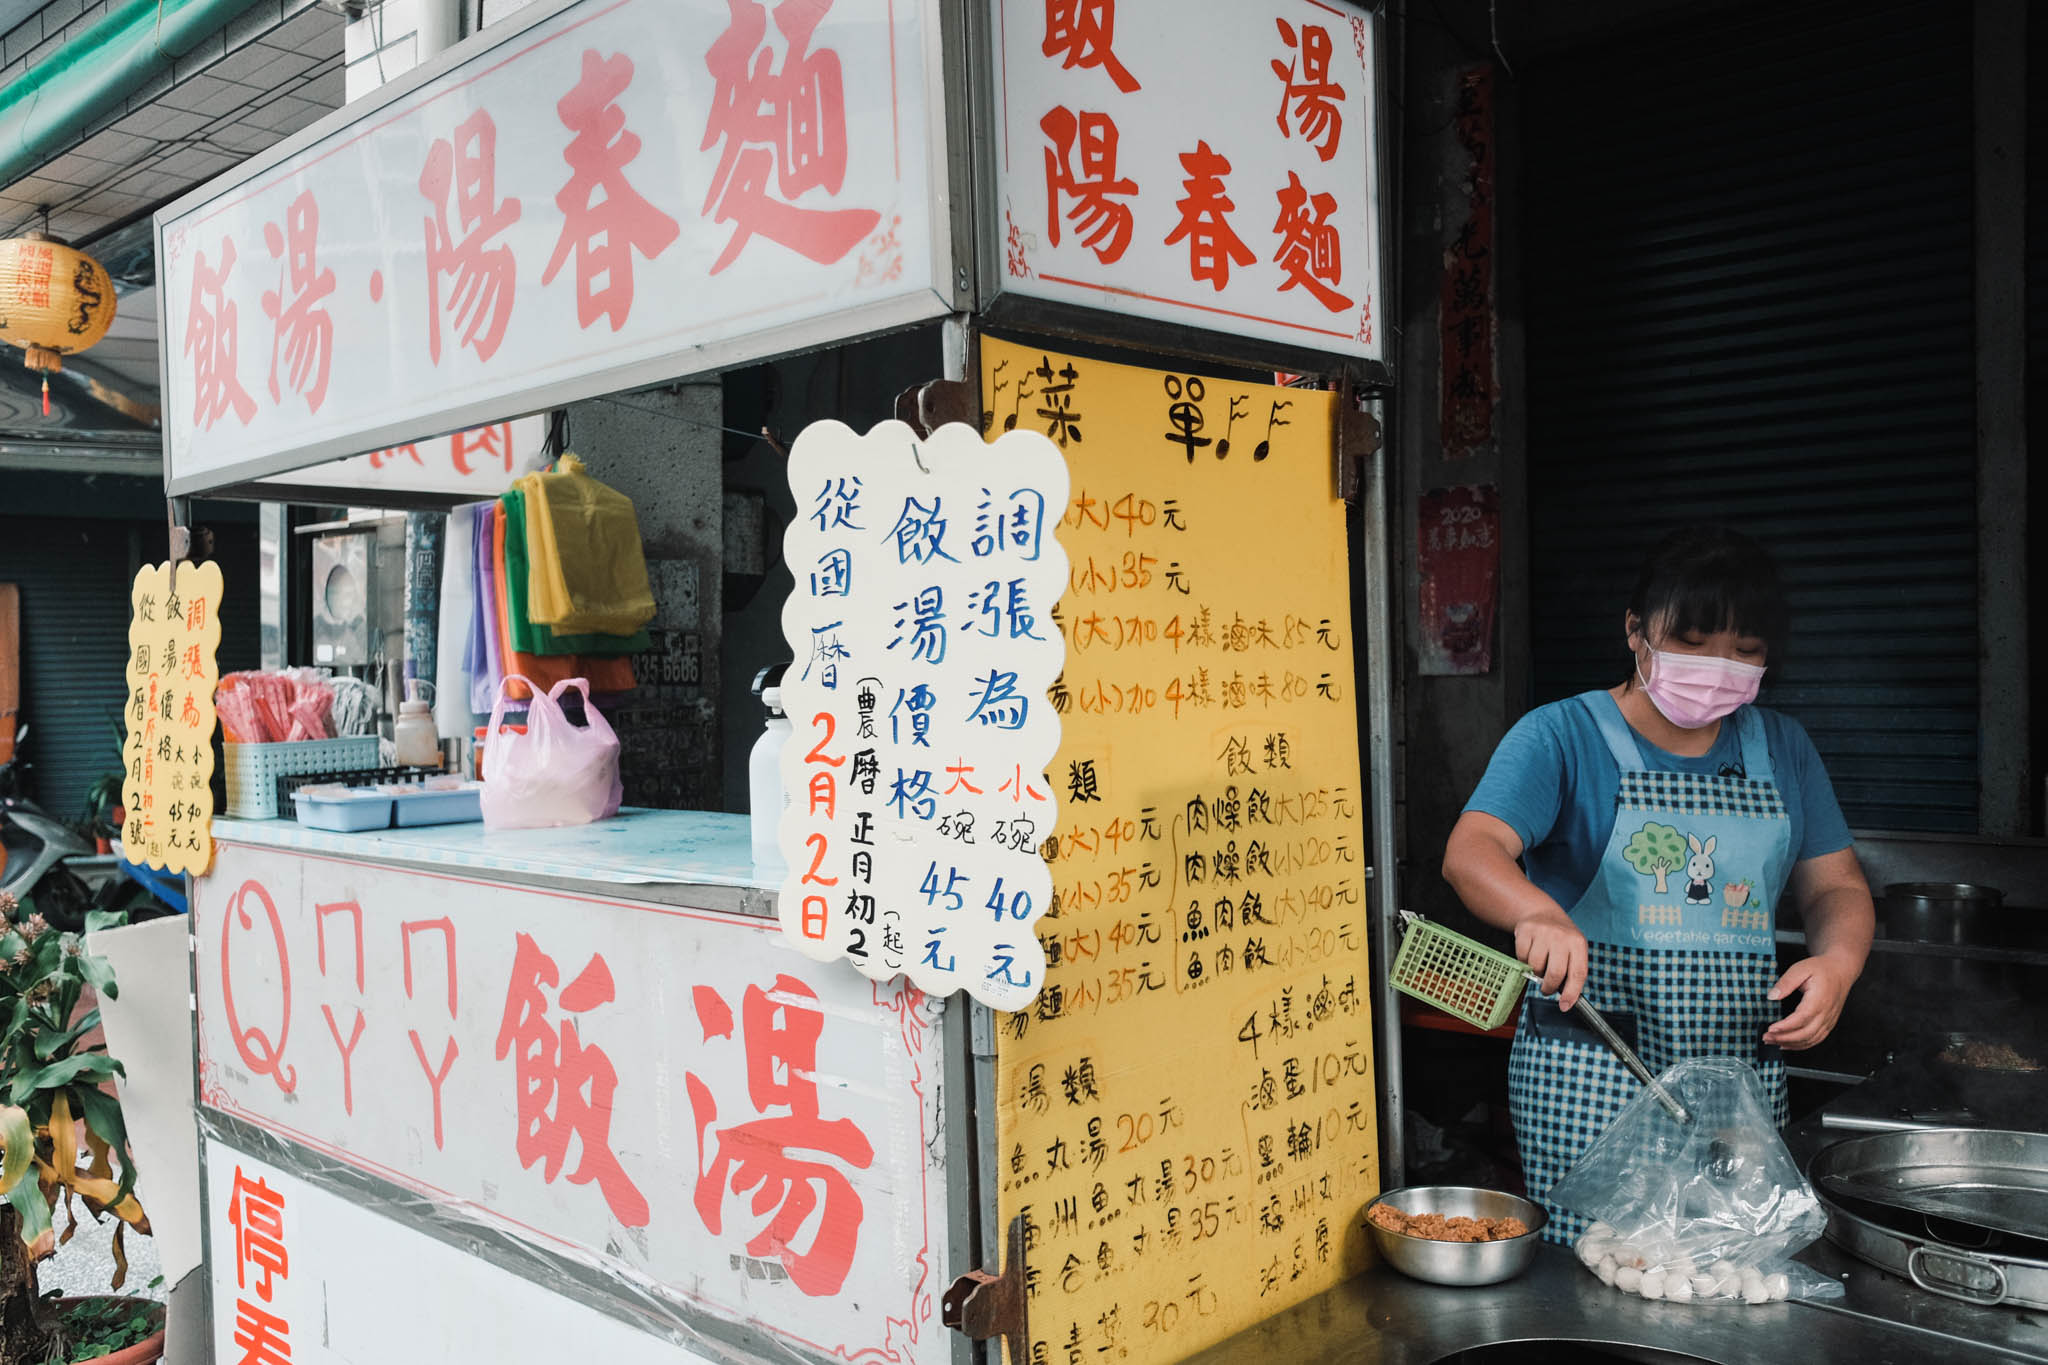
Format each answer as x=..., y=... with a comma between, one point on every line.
x=1710, y=1211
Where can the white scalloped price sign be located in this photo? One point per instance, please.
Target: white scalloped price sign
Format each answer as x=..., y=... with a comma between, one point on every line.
x=923, y=646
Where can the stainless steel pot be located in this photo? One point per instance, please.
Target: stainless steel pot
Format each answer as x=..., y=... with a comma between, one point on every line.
x=1954, y=914
x=1941, y=912
x=1986, y=1279
x=1971, y=1255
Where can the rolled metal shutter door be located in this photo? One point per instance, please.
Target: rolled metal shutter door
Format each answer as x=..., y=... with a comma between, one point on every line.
x=1749, y=265
x=74, y=645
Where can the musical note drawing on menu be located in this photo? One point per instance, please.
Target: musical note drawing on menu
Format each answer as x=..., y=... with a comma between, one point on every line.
x=1273, y=419
x=1238, y=402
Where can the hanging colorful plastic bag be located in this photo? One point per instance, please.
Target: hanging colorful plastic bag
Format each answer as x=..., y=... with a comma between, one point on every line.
x=586, y=569
x=556, y=773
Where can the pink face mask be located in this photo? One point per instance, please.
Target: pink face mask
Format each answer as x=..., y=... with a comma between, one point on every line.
x=1695, y=690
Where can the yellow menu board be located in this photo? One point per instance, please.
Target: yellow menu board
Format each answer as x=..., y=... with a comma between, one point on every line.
x=173, y=637
x=1187, y=1113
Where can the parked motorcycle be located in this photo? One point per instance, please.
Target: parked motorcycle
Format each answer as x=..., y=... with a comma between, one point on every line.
x=38, y=850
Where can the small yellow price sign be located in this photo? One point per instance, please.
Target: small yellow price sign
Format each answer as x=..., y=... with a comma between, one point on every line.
x=173, y=637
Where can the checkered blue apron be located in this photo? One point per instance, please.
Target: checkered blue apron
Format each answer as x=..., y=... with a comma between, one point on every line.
x=1679, y=920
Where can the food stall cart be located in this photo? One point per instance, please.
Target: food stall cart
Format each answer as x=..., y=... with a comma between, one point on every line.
x=480, y=1094
x=467, y=1094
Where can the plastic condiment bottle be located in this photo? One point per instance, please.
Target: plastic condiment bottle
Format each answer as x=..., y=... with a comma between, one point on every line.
x=765, y=797
x=415, y=737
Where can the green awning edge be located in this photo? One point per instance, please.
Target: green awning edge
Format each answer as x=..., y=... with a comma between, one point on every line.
x=51, y=105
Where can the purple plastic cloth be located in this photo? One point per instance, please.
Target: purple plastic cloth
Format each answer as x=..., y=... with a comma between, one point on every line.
x=484, y=690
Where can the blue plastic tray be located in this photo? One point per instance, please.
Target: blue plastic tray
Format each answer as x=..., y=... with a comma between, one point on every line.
x=354, y=808
x=454, y=806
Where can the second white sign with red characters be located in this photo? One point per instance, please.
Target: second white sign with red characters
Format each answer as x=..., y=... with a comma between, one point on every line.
x=305, y=1275
x=1215, y=166
x=478, y=463
x=622, y=192
x=663, y=1090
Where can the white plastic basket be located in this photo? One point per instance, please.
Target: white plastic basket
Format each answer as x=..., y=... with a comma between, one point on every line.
x=253, y=769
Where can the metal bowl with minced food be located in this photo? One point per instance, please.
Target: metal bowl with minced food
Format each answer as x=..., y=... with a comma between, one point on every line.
x=1495, y=1233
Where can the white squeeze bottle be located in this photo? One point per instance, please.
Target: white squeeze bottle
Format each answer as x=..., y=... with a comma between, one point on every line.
x=765, y=797
x=416, y=740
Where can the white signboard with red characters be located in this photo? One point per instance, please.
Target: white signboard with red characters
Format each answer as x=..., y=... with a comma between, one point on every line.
x=303, y=1276
x=1215, y=166
x=924, y=644
x=611, y=194
x=479, y=463
x=669, y=1091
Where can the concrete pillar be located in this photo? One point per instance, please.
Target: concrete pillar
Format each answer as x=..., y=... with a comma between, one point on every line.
x=489, y=12
x=661, y=449
x=1451, y=725
x=2006, y=783
x=394, y=37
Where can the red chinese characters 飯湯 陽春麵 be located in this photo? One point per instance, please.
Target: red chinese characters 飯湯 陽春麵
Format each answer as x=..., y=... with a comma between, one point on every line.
x=301, y=329
x=786, y=126
x=485, y=276
x=1307, y=92
x=1083, y=33
x=565, y=1086
x=782, y=1027
x=604, y=219
x=493, y=442
x=1310, y=250
x=1212, y=243
x=212, y=340
x=1103, y=220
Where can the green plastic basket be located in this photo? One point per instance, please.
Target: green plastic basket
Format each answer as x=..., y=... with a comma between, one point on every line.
x=1460, y=977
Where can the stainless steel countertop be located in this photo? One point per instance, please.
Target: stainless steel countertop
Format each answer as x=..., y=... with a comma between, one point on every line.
x=1383, y=1316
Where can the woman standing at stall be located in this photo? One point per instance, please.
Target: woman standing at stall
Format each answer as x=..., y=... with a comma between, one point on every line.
x=1656, y=824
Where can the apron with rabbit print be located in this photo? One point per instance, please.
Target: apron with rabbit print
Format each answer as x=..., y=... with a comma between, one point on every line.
x=1680, y=922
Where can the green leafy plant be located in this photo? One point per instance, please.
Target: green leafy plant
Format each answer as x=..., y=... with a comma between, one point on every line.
x=52, y=1103
x=97, y=820
x=88, y=1329
x=104, y=796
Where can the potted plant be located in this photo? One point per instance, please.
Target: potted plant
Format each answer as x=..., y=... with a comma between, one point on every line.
x=102, y=819
x=54, y=1100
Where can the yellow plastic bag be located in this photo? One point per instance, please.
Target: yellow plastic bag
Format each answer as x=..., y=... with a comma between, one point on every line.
x=586, y=573
x=547, y=596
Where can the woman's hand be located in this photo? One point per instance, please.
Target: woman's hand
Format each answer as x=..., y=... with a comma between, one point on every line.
x=1834, y=903
x=1823, y=985
x=1479, y=863
x=1556, y=951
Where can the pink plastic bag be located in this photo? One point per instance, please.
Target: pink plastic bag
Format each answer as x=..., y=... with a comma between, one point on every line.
x=554, y=774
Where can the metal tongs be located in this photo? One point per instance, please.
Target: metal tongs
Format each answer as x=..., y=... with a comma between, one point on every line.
x=1585, y=1010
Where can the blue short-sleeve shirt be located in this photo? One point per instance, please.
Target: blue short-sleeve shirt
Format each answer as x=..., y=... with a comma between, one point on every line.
x=1553, y=781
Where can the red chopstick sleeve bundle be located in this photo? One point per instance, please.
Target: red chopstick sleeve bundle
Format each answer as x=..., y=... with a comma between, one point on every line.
x=275, y=708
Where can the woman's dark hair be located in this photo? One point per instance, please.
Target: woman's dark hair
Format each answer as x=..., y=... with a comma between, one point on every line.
x=1709, y=578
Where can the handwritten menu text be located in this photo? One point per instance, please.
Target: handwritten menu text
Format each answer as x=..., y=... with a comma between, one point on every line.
x=924, y=652
x=173, y=636
x=1187, y=1112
